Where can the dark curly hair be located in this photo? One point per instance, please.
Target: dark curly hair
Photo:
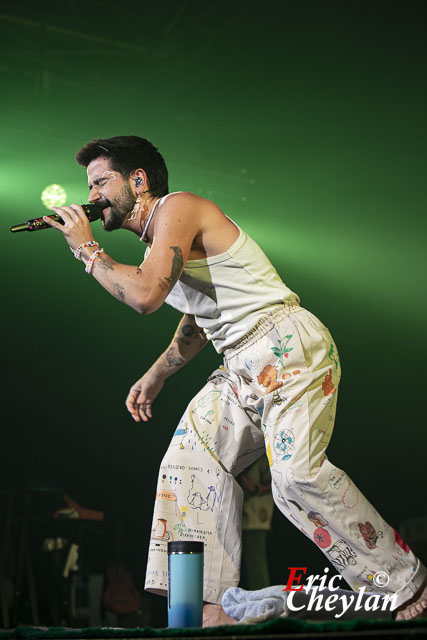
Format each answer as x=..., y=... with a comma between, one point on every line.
x=127, y=153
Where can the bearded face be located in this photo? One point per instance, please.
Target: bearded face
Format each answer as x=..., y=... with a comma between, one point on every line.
x=117, y=207
x=112, y=191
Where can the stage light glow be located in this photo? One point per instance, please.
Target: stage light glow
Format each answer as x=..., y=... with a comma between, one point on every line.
x=53, y=195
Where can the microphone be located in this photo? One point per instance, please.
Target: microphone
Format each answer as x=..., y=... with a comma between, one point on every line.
x=93, y=212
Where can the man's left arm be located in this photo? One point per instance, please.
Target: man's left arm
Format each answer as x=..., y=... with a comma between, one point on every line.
x=143, y=288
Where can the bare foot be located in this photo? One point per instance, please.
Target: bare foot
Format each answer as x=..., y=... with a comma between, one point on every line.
x=214, y=616
x=415, y=606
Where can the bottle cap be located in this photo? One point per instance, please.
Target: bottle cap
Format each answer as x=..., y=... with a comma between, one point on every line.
x=185, y=546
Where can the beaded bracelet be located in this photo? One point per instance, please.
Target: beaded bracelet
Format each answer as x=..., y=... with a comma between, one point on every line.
x=78, y=251
x=93, y=257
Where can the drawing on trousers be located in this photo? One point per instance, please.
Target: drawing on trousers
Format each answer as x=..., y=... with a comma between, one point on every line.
x=369, y=534
x=204, y=439
x=209, y=397
x=296, y=505
x=251, y=396
x=327, y=385
x=286, y=376
x=267, y=446
x=400, y=541
x=183, y=512
x=316, y=518
x=283, y=444
x=197, y=500
x=367, y=576
x=277, y=398
x=283, y=350
x=168, y=509
x=218, y=485
x=341, y=554
x=209, y=416
x=180, y=432
x=160, y=530
x=333, y=356
x=251, y=362
x=322, y=538
x=336, y=478
x=268, y=379
x=350, y=498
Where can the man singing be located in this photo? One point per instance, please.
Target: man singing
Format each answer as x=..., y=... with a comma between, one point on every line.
x=276, y=391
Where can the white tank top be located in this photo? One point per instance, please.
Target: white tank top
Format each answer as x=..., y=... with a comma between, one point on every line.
x=229, y=292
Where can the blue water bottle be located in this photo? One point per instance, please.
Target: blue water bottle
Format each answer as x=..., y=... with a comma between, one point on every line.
x=185, y=593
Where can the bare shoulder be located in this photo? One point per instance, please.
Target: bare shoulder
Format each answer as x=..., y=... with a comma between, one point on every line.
x=186, y=200
x=213, y=232
x=189, y=207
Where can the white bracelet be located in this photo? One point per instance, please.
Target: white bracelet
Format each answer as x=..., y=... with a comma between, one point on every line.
x=78, y=251
x=93, y=257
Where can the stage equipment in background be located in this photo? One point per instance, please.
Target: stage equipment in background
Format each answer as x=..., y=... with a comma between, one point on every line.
x=51, y=559
x=93, y=212
x=121, y=596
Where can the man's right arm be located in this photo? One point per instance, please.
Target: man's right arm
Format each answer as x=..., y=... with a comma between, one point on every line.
x=187, y=342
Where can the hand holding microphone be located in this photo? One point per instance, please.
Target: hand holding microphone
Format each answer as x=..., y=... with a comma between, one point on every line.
x=75, y=225
x=93, y=212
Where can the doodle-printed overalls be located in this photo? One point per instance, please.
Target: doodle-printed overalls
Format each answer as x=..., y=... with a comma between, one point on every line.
x=276, y=392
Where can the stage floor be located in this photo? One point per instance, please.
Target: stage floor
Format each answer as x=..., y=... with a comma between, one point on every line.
x=272, y=629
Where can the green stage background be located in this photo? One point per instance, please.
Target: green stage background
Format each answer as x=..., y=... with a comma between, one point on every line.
x=304, y=121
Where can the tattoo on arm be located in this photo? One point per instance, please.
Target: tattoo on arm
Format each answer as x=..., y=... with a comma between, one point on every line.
x=190, y=334
x=119, y=292
x=105, y=263
x=173, y=360
x=188, y=330
x=166, y=284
